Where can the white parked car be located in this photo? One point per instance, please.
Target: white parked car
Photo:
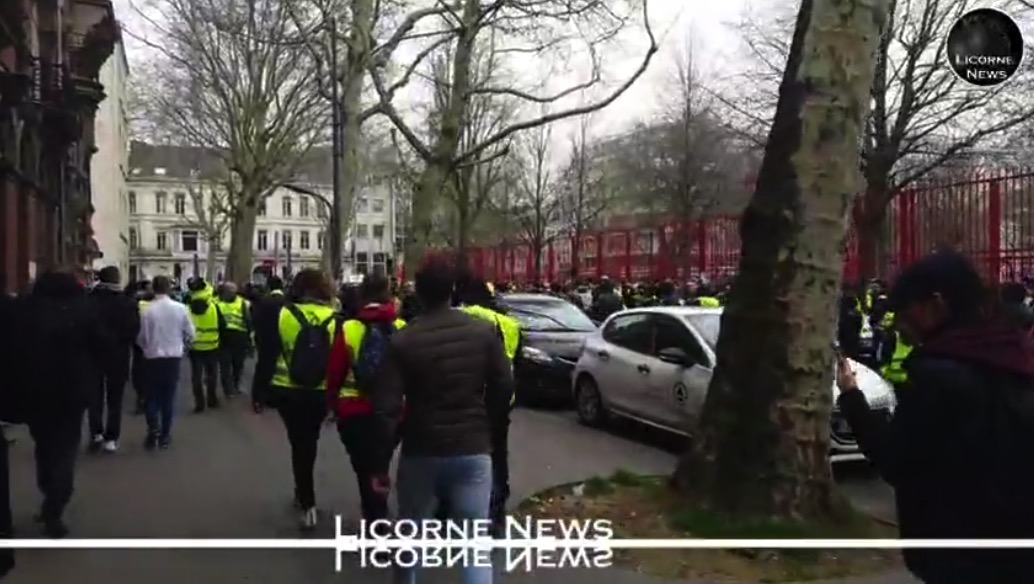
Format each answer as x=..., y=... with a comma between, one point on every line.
x=653, y=365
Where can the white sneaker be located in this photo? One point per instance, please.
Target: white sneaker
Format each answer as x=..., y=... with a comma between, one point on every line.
x=309, y=518
x=96, y=442
x=110, y=446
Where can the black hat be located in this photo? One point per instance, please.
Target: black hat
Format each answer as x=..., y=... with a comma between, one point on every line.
x=946, y=273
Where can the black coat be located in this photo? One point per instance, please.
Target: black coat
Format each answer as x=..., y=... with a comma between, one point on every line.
x=957, y=452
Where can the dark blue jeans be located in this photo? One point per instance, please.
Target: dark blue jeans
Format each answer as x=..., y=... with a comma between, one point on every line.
x=163, y=377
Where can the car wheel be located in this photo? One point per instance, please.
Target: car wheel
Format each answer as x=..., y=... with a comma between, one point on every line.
x=589, y=403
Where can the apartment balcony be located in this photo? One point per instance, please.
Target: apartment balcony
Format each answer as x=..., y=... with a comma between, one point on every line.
x=150, y=252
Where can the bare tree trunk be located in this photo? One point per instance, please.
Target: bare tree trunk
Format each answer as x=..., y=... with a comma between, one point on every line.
x=761, y=446
x=242, y=229
x=211, y=257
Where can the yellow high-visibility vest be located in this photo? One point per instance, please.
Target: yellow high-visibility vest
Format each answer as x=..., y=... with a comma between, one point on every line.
x=354, y=331
x=142, y=305
x=206, y=325
x=709, y=302
x=233, y=313
x=289, y=327
x=894, y=371
x=508, y=326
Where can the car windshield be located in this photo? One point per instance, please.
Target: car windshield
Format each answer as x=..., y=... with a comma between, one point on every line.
x=549, y=316
x=707, y=325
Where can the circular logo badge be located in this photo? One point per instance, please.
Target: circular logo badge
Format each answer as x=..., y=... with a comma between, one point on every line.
x=985, y=47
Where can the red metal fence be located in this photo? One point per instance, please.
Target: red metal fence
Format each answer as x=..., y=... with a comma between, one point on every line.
x=989, y=217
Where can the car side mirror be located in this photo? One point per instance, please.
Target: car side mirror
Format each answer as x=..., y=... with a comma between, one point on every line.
x=675, y=356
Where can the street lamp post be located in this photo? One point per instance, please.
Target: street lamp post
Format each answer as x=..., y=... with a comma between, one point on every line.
x=336, y=150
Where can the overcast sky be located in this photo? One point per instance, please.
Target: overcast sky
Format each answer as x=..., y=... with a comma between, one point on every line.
x=704, y=23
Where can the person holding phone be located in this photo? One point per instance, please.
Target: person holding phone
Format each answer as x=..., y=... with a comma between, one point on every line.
x=957, y=450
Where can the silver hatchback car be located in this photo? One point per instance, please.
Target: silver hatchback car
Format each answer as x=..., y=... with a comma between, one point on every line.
x=653, y=365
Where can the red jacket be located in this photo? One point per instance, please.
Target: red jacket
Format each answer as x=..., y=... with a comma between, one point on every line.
x=340, y=364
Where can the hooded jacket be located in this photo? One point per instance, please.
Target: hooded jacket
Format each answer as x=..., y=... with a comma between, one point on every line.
x=957, y=450
x=340, y=363
x=118, y=312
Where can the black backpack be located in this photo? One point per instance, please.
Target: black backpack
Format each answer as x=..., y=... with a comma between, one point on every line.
x=307, y=366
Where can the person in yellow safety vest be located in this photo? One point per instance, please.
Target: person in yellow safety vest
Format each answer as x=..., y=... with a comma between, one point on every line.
x=894, y=371
x=144, y=296
x=236, y=341
x=346, y=397
x=709, y=302
x=476, y=299
x=204, y=352
x=291, y=373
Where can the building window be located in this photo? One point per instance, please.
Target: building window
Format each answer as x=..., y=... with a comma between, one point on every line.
x=320, y=236
x=378, y=205
x=132, y=202
x=262, y=240
x=378, y=232
x=321, y=210
x=303, y=240
x=362, y=205
x=285, y=239
x=159, y=202
x=134, y=238
x=262, y=208
x=303, y=206
x=215, y=241
x=360, y=230
x=162, y=241
x=188, y=241
x=286, y=207
x=361, y=264
x=180, y=204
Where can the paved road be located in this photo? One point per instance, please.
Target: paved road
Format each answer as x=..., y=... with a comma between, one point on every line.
x=227, y=476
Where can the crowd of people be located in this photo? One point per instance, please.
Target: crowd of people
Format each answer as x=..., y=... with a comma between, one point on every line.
x=426, y=370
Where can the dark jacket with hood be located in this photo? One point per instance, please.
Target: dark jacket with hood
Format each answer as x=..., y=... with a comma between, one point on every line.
x=958, y=451
x=120, y=314
x=58, y=324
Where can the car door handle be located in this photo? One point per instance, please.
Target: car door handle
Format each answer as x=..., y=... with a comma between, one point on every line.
x=603, y=355
x=644, y=369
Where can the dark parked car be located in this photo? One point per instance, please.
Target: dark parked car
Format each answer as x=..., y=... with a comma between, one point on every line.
x=554, y=331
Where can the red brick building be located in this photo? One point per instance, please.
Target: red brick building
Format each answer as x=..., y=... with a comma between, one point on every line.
x=51, y=52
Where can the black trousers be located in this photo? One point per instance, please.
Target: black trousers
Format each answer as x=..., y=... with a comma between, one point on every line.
x=204, y=373
x=6, y=522
x=139, y=377
x=57, y=435
x=233, y=350
x=357, y=434
x=303, y=412
x=108, y=391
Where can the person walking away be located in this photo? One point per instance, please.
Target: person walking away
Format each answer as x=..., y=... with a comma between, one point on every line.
x=165, y=332
x=265, y=317
x=354, y=361
x=235, y=342
x=299, y=347
x=955, y=450
x=61, y=344
x=476, y=300
x=451, y=372
x=210, y=329
x=121, y=316
x=143, y=295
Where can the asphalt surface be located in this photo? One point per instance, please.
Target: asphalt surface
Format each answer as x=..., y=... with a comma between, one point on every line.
x=227, y=475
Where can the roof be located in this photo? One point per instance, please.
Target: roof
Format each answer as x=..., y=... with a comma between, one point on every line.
x=676, y=310
x=192, y=161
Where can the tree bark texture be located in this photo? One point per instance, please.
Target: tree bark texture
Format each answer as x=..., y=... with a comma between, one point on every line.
x=761, y=445
x=242, y=230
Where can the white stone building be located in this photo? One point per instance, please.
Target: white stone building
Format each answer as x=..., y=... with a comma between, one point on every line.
x=168, y=236
x=110, y=165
